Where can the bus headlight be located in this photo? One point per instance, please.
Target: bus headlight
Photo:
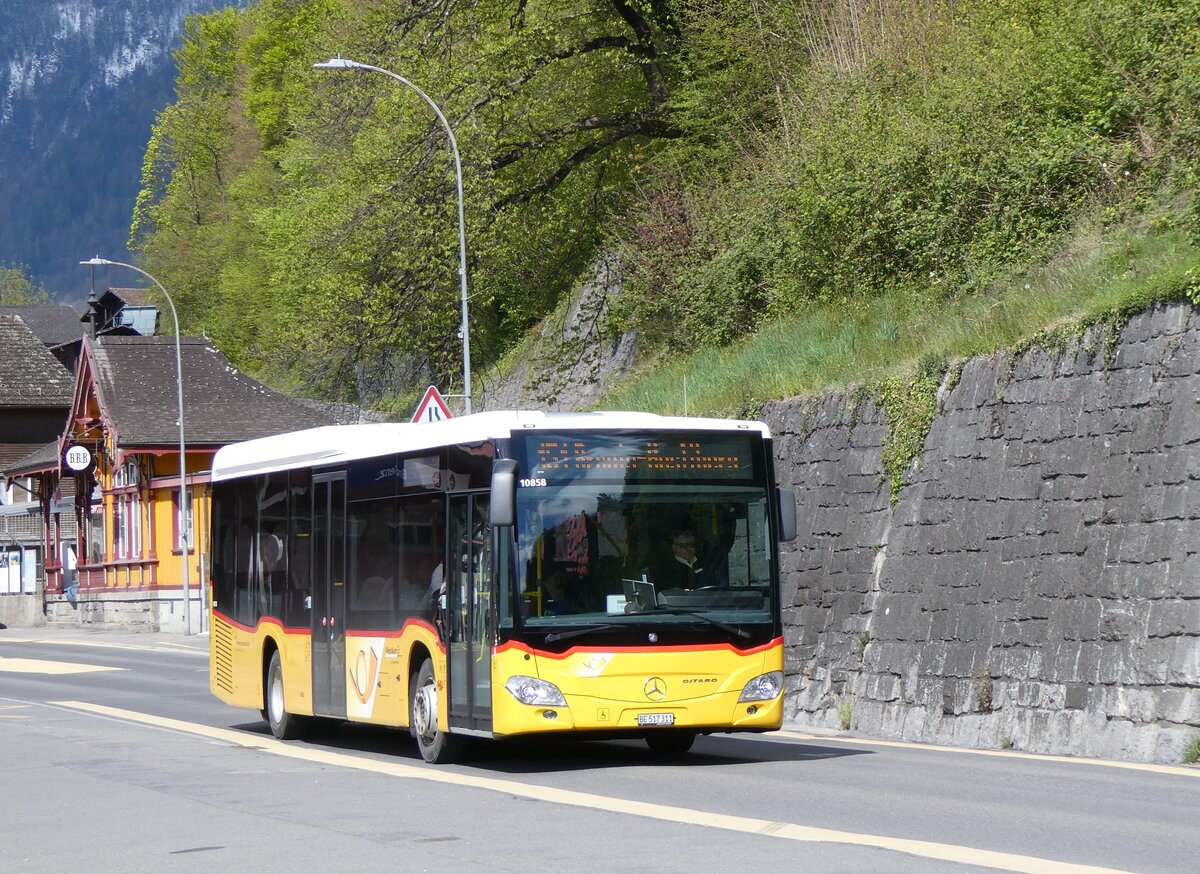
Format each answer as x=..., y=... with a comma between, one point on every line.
x=531, y=690
x=764, y=687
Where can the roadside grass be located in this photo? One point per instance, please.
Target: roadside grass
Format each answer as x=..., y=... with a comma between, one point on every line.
x=1191, y=755
x=845, y=712
x=1100, y=275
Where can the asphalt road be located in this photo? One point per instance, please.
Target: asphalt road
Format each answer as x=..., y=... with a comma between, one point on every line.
x=115, y=758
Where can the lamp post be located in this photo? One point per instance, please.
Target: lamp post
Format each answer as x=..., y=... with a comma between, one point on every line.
x=340, y=63
x=183, y=503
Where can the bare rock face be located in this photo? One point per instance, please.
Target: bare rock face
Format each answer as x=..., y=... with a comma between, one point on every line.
x=571, y=362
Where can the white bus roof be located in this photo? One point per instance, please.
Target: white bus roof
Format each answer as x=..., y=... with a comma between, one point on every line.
x=337, y=444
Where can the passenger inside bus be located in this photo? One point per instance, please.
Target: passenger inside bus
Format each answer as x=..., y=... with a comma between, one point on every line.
x=274, y=571
x=564, y=593
x=373, y=593
x=372, y=574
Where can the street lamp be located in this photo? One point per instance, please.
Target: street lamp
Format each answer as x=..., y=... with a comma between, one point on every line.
x=183, y=503
x=340, y=63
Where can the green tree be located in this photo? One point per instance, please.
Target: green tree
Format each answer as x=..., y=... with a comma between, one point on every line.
x=748, y=157
x=309, y=218
x=17, y=289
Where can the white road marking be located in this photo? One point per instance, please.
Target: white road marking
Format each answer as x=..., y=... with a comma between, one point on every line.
x=1150, y=767
x=683, y=815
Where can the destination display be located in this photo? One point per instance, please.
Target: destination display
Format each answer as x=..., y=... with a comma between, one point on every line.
x=636, y=457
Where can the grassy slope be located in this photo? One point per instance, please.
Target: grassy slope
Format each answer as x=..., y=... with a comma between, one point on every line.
x=1099, y=274
x=952, y=144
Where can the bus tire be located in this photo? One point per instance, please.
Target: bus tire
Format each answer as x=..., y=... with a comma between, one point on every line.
x=670, y=744
x=284, y=725
x=437, y=747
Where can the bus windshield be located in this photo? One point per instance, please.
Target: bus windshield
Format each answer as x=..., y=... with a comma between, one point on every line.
x=624, y=530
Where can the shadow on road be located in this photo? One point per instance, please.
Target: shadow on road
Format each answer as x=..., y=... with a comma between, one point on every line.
x=540, y=755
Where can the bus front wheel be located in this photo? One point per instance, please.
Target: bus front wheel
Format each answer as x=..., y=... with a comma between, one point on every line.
x=284, y=725
x=437, y=747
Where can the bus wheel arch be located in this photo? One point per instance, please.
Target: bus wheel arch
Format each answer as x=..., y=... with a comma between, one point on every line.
x=284, y=724
x=417, y=656
x=437, y=747
x=270, y=647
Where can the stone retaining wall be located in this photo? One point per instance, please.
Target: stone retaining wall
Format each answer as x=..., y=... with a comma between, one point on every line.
x=1037, y=582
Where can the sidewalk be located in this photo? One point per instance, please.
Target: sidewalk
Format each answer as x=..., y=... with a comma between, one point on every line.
x=102, y=637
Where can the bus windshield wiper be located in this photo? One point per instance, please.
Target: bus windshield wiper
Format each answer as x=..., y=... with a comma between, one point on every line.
x=683, y=611
x=555, y=636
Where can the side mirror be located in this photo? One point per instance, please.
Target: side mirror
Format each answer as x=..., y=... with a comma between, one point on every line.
x=787, y=515
x=504, y=493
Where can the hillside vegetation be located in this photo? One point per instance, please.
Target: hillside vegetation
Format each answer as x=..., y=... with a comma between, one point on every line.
x=802, y=192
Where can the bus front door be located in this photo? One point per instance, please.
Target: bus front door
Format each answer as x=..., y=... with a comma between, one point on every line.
x=329, y=595
x=469, y=604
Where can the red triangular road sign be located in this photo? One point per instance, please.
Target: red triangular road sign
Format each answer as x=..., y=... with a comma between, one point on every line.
x=432, y=408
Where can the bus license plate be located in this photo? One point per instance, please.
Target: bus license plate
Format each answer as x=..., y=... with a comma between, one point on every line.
x=656, y=719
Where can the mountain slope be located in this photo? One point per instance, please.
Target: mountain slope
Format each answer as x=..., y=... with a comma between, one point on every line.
x=80, y=83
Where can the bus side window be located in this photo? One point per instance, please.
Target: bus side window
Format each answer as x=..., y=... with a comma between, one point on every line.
x=373, y=557
x=224, y=550
x=299, y=554
x=244, y=564
x=272, y=536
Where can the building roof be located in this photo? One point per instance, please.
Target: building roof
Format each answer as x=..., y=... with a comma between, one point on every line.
x=136, y=385
x=134, y=297
x=29, y=375
x=17, y=459
x=54, y=324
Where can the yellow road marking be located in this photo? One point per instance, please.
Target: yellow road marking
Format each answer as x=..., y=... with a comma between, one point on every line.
x=14, y=715
x=40, y=666
x=1176, y=770
x=683, y=815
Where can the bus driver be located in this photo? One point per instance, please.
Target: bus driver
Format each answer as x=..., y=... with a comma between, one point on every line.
x=679, y=571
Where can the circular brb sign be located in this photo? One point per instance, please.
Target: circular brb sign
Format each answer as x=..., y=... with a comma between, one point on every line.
x=78, y=458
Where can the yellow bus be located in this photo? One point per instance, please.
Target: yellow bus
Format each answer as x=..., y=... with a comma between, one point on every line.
x=503, y=574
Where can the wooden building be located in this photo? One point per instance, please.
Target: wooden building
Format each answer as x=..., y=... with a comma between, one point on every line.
x=118, y=456
x=35, y=396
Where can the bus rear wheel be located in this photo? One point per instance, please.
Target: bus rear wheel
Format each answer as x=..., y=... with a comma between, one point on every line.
x=437, y=747
x=670, y=744
x=284, y=725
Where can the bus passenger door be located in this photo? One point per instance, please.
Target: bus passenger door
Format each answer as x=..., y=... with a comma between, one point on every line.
x=329, y=595
x=469, y=605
